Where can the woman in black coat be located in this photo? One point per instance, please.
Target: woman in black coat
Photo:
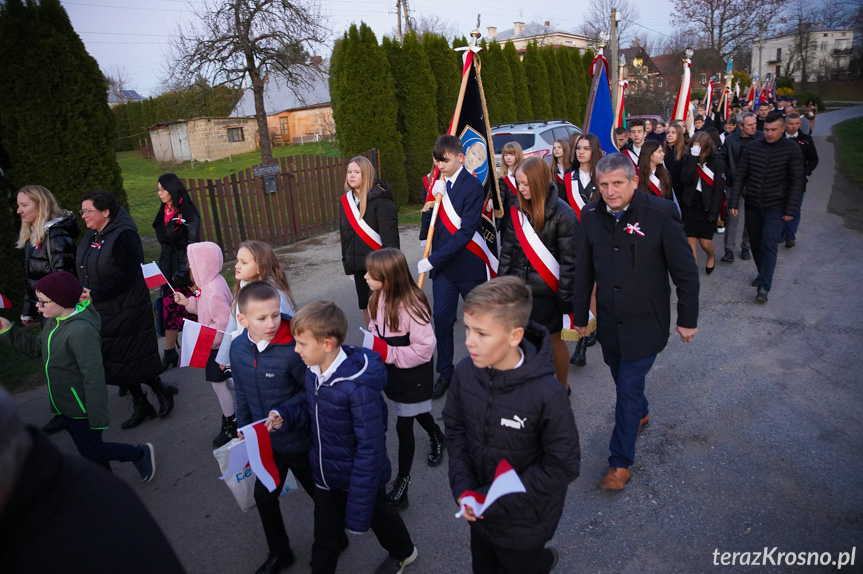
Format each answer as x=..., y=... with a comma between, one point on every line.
x=177, y=224
x=675, y=149
x=555, y=224
x=109, y=267
x=367, y=203
x=701, y=199
x=47, y=237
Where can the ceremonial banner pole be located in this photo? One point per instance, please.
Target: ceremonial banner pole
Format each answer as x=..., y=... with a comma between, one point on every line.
x=684, y=93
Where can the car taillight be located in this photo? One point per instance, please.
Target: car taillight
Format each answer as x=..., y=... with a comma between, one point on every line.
x=538, y=153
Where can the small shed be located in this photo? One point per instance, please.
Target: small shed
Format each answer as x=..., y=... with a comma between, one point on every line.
x=203, y=139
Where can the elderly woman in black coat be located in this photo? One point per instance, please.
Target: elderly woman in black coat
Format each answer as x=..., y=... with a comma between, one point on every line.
x=109, y=268
x=177, y=224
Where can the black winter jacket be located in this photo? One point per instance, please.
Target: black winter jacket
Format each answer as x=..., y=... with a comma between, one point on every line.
x=558, y=235
x=770, y=176
x=675, y=169
x=731, y=151
x=810, y=154
x=712, y=196
x=56, y=253
x=382, y=216
x=523, y=416
x=174, y=238
x=109, y=264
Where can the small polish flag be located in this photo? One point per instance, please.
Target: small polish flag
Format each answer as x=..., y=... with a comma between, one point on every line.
x=238, y=460
x=153, y=275
x=506, y=481
x=4, y=302
x=375, y=343
x=261, y=454
x=197, y=343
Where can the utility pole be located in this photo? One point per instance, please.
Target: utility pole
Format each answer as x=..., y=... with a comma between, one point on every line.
x=407, y=18
x=399, y=16
x=614, y=47
x=760, y=43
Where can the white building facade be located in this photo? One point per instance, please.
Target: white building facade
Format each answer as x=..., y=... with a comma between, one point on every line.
x=824, y=53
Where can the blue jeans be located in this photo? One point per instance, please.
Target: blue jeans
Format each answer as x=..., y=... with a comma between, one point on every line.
x=93, y=448
x=764, y=229
x=446, y=293
x=631, y=406
x=789, y=230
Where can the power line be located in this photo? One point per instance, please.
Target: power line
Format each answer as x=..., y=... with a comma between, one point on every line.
x=124, y=34
x=124, y=7
x=646, y=28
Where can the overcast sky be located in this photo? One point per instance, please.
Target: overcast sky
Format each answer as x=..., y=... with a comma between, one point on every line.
x=134, y=34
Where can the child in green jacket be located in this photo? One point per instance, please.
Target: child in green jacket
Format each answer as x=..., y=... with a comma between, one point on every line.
x=70, y=347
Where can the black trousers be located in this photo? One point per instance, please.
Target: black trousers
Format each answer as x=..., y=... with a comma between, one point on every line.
x=268, y=502
x=490, y=559
x=387, y=525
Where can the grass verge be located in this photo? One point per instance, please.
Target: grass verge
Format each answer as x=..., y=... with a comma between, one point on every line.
x=848, y=152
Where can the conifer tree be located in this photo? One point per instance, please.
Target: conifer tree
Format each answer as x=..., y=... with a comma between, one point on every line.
x=572, y=82
x=460, y=42
x=417, y=112
x=55, y=123
x=444, y=62
x=364, y=104
x=497, y=84
x=521, y=95
x=537, y=82
x=556, y=87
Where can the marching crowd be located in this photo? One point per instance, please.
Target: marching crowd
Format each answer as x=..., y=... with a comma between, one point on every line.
x=591, y=239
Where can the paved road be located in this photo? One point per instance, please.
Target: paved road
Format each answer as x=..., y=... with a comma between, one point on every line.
x=755, y=435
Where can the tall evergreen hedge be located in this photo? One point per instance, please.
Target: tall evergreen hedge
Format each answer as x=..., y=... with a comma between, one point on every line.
x=498, y=85
x=521, y=94
x=365, y=111
x=55, y=123
x=446, y=67
x=573, y=81
x=537, y=82
x=417, y=113
x=557, y=89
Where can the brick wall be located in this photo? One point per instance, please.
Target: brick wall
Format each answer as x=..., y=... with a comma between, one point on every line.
x=208, y=137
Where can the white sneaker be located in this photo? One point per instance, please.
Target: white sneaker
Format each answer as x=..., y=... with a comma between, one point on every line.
x=395, y=566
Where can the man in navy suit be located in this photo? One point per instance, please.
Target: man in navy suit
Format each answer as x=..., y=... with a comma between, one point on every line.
x=454, y=270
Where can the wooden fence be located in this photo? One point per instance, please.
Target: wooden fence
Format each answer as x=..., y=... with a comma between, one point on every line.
x=305, y=203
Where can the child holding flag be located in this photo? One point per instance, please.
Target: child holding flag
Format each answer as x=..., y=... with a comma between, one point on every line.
x=505, y=404
x=268, y=376
x=213, y=307
x=401, y=332
x=71, y=348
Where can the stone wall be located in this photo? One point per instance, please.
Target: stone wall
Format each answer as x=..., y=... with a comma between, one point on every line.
x=208, y=137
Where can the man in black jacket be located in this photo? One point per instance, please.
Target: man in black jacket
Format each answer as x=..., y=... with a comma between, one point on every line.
x=810, y=162
x=629, y=243
x=771, y=172
x=731, y=151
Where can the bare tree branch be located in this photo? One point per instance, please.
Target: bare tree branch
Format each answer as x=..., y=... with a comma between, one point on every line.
x=598, y=19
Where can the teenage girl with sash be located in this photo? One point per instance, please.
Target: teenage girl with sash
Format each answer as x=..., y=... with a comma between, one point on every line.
x=653, y=178
x=674, y=147
x=368, y=222
x=703, y=191
x=511, y=156
x=579, y=188
x=539, y=247
x=401, y=332
x=559, y=160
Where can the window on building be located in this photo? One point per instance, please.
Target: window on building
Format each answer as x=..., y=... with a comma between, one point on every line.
x=703, y=78
x=283, y=126
x=235, y=135
x=778, y=53
x=825, y=35
x=778, y=71
x=823, y=46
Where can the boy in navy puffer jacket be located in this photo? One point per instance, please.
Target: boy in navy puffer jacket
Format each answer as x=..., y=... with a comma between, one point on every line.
x=268, y=381
x=349, y=455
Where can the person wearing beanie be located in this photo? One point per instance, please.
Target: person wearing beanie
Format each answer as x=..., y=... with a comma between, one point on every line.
x=70, y=347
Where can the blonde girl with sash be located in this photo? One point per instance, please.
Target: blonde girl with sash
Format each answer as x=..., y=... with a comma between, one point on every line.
x=539, y=247
x=368, y=222
x=560, y=155
x=511, y=156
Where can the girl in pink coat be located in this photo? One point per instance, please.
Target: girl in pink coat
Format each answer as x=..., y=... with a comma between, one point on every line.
x=400, y=331
x=212, y=305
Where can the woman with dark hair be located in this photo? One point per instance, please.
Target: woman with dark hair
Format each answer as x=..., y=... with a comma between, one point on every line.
x=109, y=267
x=674, y=147
x=539, y=247
x=177, y=224
x=653, y=178
x=703, y=191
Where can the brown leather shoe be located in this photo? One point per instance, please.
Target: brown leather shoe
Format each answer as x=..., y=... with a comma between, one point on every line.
x=614, y=479
x=643, y=422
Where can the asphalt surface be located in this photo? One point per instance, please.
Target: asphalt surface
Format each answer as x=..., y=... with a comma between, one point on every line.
x=755, y=439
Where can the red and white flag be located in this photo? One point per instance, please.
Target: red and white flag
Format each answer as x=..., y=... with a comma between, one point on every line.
x=375, y=343
x=506, y=481
x=4, y=302
x=260, y=450
x=197, y=343
x=153, y=275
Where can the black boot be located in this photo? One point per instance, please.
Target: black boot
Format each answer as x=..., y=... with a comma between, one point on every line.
x=170, y=359
x=437, y=445
x=591, y=339
x=165, y=394
x=143, y=411
x=229, y=431
x=398, y=496
x=56, y=424
x=579, y=356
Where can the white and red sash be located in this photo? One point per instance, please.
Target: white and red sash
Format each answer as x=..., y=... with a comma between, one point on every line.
x=508, y=181
x=558, y=178
x=572, y=195
x=656, y=185
x=632, y=155
x=477, y=245
x=705, y=173
x=371, y=237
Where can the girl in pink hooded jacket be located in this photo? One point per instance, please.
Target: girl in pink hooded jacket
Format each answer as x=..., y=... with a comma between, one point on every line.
x=212, y=305
x=400, y=331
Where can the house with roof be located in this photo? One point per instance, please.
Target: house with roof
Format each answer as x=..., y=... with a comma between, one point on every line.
x=123, y=97
x=293, y=117
x=706, y=64
x=203, y=139
x=828, y=56
x=522, y=34
x=640, y=71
